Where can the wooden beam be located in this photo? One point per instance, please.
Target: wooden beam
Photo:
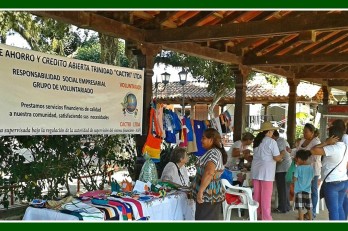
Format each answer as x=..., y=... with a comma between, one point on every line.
x=337, y=82
x=288, y=60
x=275, y=71
x=203, y=52
x=312, y=21
x=156, y=22
x=96, y=22
x=322, y=75
x=307, y=36
x=198, y=18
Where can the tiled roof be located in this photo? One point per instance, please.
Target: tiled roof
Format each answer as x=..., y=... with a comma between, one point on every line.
x=197, y=91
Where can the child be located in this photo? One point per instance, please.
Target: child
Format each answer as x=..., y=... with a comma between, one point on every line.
x=303, y=176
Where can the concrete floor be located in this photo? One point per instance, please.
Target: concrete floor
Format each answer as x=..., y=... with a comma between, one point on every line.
x=289, y=216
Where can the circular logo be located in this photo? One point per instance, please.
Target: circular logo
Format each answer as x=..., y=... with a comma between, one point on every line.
x=130, y=102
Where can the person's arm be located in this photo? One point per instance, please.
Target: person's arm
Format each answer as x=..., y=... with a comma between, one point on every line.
x=209, y=172
x=235, y=152
x=280, y=157
x=294, y=179
x=319, y=150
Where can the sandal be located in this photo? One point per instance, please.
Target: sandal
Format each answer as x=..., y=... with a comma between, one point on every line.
x=306, y=216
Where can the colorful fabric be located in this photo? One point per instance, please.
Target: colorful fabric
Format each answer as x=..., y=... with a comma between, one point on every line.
x=110, y=212
x=183, y=134
x=87, y=212
x=137, y=208
x=199, y=127
x=126, y=212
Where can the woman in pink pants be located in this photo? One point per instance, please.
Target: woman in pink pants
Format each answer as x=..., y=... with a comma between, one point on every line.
x=263, y=167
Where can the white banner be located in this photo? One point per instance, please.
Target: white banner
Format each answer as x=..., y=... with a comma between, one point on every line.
x=44, y=94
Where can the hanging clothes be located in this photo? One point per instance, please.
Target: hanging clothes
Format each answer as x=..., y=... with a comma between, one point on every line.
x=199, y=126
x=191, y=137
x=183, y=134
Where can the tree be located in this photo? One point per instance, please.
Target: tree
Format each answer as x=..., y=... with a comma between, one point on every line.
x=219, y=77
x=42, y=34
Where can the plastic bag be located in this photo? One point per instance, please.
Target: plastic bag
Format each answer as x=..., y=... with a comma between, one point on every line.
x=148, y=171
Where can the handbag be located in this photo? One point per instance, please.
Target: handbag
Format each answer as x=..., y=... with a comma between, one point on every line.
x=152, y=144
x=322, y=190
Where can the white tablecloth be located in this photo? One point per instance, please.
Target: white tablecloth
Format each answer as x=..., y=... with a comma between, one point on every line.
x=171, y=207
x=43, y=214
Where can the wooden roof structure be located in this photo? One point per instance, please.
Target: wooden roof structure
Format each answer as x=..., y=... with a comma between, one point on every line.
x=298, y=45
x=305, y=45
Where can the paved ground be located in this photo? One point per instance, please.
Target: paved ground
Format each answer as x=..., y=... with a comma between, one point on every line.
x=290, y=216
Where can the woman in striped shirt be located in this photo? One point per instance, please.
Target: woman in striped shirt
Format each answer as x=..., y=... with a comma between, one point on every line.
x=207, y=189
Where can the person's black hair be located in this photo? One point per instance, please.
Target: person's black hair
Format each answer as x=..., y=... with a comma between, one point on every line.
x=310, y=127
x=339, y=124
x=177, y=154
x=276, y=133
x=212, y=133
x=258, y=139
x=248, y=136
x=335, y=131
x=303, y=154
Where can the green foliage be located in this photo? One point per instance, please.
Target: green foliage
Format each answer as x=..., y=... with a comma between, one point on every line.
x=299, y=131
x=42, y=34
x=274, y=80
x=53, y=159
x=91, y=52
x=100, y=155
x=60, y=159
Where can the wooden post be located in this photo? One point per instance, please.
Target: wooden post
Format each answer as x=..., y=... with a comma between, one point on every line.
x=145, y=57
x=193, y=111
x=324, y=110
x=291, y=123
x=240, y=104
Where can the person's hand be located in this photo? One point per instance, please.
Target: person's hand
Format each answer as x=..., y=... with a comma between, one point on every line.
x=288, y=149
x=200, y=197
x=332, y=140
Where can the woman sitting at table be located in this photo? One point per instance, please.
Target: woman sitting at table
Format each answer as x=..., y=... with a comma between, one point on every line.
x=175, y=171
x=239, y=149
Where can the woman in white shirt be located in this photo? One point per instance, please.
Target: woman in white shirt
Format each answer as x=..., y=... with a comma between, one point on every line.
x=341, y=125
x=309, y=140
x=263, y=167
x=175, y=170
x=335, y=171
x=238, y=149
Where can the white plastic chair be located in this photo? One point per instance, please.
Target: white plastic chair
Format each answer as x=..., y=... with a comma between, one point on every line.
x=320, y=201
x=247, y=201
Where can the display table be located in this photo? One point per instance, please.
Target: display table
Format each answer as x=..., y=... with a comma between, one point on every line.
x=172, y=207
